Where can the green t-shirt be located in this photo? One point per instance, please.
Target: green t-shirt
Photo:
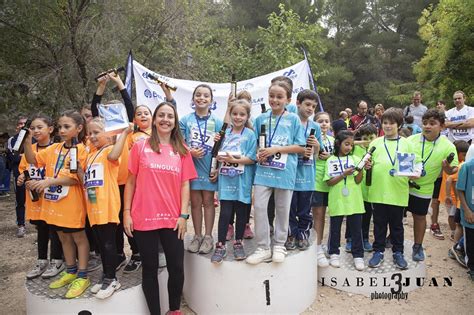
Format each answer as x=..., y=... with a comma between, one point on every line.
x=434, y=153
x=338, y=203
x=327, y=145
x=387, y=189
x=358, y=154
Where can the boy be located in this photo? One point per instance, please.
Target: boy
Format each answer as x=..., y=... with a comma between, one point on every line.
x=300, y=210
x=433, y=150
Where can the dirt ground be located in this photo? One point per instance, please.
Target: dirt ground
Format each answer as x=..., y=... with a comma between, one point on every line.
x=18, y=256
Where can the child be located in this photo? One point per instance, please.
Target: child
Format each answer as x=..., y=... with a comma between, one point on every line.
x=276, y=172
x=364, y=136
x=319, y=199
x=235, y=178
x=41, y=127
x=433, y=149
x=199, y=129
x=103, y=200
x=301, y=220
x=388, y=192
x=415, y=129
x=63, y=203
x=345, y=199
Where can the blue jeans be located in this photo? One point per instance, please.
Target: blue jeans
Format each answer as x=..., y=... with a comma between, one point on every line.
x=301, y=220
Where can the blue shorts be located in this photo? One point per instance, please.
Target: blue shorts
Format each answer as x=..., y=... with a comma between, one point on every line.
x=319, y=199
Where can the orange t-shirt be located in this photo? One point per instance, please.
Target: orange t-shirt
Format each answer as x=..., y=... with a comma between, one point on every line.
x=102, y=193
x=62, y=206
x=33, y=209
x=132, y=138
x=442, y=192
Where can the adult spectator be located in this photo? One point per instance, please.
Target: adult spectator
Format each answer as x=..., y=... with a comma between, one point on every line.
x=379, y=110
x=460, y=119
x=362, y=117
x=416, y=109
x=340, y=124
x=441, y=106
x=349, y=115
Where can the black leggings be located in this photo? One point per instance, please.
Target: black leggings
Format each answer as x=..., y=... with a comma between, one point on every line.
x=249, y=208
x=105, y=235
x=227, y=211
x=119, y=234
x=173, y=247
x=45, y=234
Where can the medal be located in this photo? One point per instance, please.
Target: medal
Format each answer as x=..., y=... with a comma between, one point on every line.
x=345, y=191
x=392, y=171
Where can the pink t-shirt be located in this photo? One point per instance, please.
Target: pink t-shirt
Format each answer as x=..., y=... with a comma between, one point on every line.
x=156, y=202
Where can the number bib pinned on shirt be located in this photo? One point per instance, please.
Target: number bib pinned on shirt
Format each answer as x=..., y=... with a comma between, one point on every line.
x=277, y=161
x=36, y=173
x=231, y=169
x=197, y=142
x=308, y=162
x=334, y=168
x=56, y=193
x=94, y=177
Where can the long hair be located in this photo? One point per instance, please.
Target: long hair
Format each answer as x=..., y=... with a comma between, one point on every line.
x=339, y=139
x=246, y=105
x=176, y=139
x=78, y=120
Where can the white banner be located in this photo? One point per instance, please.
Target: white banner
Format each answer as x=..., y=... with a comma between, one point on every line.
x=149, y=93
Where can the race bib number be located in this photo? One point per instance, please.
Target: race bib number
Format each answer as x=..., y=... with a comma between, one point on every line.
x=36, y=173
x=460, y=132
x=231, y=169
x=56, y=193
x=277, y=161
x=334, y=168
x=207, y=141
x=94, y=176
x=308, y=162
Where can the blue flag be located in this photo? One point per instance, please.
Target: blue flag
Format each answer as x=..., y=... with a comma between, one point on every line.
x=129, y=74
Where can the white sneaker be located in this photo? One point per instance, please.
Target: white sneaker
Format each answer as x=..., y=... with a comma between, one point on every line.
x=55, y=267
x=40, y=267
x=21, y=231
x=96, y=287
x=260, y=255
x=322, y=260
x=335, y=261
x=207, y=245
x=325, y=250
x=359, y=263
x=279, y=254
x=108, y=289
x=195, y=244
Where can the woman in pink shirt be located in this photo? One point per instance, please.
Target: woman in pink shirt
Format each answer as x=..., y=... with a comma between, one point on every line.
x=156, y=203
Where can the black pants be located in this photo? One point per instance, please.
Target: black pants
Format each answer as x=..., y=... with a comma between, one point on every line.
x=249, y=208
x=105, y=234
x=271, y=208
x=469, y=247
x=45, y=234
x=91, y=237
x=354, y=224
x=19, y=201
x=228, y=207
x=366, y=217
x=393, y=217
x=120, y=233
x=173, y=247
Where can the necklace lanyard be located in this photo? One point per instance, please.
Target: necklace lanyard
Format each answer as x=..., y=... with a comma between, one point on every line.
x=203, y=137
x=306, y=129
x=388, y=153
x=327, y=148
x=92, y=162
x=270, y=128
x=423, y=150
x=60, y=161
x=342, y=169
x=241, y=133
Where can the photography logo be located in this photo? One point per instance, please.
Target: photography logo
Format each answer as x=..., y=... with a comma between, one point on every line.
x=291, y=74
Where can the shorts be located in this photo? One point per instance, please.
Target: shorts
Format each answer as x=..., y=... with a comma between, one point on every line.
x=457, y=216
x=319, y=199
x=452, y=211
x=437, y=187
x=65, y=229
x=418, y=206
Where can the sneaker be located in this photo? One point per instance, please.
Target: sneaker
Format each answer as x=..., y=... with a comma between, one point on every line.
x=133, y=264
x=322, y=259
x=239, y=252
x=230, y=233
x=348, y=247
x=161, y=260
x=290, y=243
x=55, y=267
x=303, y=244
x=94, y=262
x=248, y=234
x=459, y=256
x=65, y=279
x=376, y=260
x=4, y=194
x=335, y=261
x=219, y=254
x=400, y=261
x=40, y=267
x=21, y=231
x=436, y=231
x=178, y=312
x=207, y=245
x=77, y=287
x=122, y=261
x=96, y=287
x=279, y=254
x=108, y=288
x=259, y=255
x=418, y=254
x=195, y=244
x=471, y=274
x=451, y=254
x=367, y=246
x=359, y=263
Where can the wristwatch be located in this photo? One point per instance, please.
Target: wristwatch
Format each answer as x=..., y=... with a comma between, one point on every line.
x=184, y=216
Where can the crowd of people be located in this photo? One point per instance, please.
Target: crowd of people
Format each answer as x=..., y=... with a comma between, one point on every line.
x=291, y=164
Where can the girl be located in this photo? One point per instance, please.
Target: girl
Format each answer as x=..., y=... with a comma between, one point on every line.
x=276, y=172
x=103, y=200
x=199, y=129
x=41, y=127
x=235, y=178
x=319, y=200
x=156, y=204
x=345, y=199
x=63, y=204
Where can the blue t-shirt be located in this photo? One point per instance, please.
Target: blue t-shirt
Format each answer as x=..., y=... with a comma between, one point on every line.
x=466, y=184
x=279, y=171
x=200, y=132
x=306, y=170
x=235, y=181
x=292, y=108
